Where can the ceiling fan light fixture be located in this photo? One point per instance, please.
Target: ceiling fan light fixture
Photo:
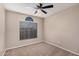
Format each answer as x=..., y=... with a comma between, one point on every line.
x=41, y=7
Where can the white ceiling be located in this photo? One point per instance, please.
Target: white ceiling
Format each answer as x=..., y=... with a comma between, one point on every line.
x=28, y=8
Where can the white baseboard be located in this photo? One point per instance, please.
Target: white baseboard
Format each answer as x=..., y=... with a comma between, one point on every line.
x=22, y=45
x=49, y=42
x=45, y=42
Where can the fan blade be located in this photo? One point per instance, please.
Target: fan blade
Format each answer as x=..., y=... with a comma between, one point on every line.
x=40, y=4
x=44, y=11
x=35, y=12
x=49, y=6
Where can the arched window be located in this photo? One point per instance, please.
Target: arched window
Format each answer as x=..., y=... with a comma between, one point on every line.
x=28, y=19
x=28, y=29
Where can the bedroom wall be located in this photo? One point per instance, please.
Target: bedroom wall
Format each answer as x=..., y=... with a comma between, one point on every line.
x=62, y=29
x=12, y=29
x=2, y=30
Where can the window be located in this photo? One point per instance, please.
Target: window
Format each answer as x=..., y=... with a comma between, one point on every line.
x=28, y=30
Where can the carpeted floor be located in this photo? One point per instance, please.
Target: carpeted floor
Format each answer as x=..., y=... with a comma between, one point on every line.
x=40, y=49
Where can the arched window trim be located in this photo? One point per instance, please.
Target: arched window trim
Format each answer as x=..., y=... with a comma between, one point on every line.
x=29, y=19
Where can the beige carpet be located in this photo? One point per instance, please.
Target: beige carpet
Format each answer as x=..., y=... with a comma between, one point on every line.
x=40, y=49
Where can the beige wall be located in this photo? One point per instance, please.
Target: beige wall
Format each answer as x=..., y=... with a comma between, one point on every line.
x=62, y=28
x=2, y=30
x=12, y=30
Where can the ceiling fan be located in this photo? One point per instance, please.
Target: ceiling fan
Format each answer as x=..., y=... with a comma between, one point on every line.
x=41, y=7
